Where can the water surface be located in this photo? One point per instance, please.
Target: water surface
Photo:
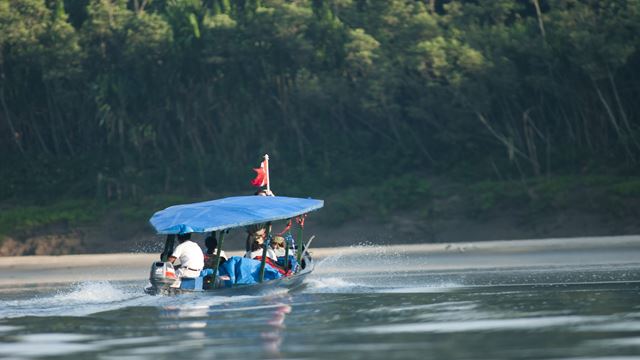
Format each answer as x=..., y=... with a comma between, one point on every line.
x=396, y=308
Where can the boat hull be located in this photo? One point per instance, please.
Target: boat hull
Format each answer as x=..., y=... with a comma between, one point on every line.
x=289, y=283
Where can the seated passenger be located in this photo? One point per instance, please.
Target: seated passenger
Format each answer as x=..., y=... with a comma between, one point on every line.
x=256, y=231
x=257, y=250
x=191, y=258
x=256, y=239
x=212, y=251
x=278, y=244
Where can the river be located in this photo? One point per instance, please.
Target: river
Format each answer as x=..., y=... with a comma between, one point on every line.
x=559, y=299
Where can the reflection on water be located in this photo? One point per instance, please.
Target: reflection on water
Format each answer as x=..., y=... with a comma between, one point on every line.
x=559, y=312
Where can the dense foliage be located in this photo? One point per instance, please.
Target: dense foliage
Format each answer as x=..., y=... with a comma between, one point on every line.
x=116, y=98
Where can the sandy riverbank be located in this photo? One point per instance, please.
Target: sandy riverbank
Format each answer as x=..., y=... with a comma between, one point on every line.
x=25, y=270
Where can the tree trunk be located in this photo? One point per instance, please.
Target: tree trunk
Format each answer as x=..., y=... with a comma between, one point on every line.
x=623, y=113
x=14, y=134
x=536, y=3
x=614, y=121
x=530, y=141
x=432, y=6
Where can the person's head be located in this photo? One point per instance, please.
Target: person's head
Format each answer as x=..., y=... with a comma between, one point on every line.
x=211, y=243
x=258, y=235
x=184, y=237
x=255, y=246
x=277, y=242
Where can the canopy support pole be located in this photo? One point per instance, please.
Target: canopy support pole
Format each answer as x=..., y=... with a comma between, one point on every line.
x=299, y=243
x=287, y=244
x=168, y=247
x=266, y=159
x=265, y=244
x=220, y=243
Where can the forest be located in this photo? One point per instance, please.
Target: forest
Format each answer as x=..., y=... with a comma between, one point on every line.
x=128, y=99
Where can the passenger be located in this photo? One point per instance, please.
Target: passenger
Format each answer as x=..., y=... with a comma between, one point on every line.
x=256, y=234
x=278, y=244
x=191, y=258
x=272, y=260
x=264, y=192
x=212, y=251
x=256, y=230
x=257, y=240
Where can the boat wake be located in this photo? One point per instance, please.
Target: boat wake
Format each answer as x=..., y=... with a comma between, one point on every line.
x=362, y=269
x=337, y=285
x=91, y=297
x=76, y=300
x=332, y=285
x=92, y=292
x=368, y=268
x=359, y=269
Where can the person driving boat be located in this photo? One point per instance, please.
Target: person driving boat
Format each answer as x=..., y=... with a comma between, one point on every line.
x=190, y=256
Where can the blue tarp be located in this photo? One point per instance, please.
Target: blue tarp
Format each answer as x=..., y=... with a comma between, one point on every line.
x=246, y=271
x=229, y=213
x=292, y=264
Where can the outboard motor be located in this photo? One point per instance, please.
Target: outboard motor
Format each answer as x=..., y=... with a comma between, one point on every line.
x=162, y=274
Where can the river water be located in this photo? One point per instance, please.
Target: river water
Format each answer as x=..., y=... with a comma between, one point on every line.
x=382, y=305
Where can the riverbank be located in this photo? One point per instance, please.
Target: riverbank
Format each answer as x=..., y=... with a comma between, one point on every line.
x=25, y=270
x=401, y=210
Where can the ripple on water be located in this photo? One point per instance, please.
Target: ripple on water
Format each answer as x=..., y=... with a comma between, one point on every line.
x=439, y=307
x=478, y=325
x=626, y=341
x=35, y=345
x=7, y=328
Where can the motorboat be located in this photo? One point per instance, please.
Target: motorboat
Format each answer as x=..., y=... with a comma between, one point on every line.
x=237, y=274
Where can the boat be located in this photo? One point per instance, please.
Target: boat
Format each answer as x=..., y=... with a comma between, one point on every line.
x=238, y=275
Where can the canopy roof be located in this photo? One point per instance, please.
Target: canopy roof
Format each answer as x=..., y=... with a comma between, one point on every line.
x=229, y=213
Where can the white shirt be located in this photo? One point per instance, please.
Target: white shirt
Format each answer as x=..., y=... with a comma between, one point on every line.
x=270, y=254
x=222, y=254
x=279, y=252
x=190, y=255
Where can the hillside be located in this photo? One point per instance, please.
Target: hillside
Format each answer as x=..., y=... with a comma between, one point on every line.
x=410, y=209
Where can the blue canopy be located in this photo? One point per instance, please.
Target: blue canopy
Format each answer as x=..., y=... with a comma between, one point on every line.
x=229, y=213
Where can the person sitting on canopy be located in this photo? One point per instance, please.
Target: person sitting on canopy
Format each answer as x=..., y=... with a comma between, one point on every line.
x=264, y=192
x=190, y=255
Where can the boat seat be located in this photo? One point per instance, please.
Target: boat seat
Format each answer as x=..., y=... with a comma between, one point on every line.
x=192, y=283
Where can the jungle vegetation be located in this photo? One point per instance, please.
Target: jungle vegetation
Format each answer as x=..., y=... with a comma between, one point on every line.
x=123, y=99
